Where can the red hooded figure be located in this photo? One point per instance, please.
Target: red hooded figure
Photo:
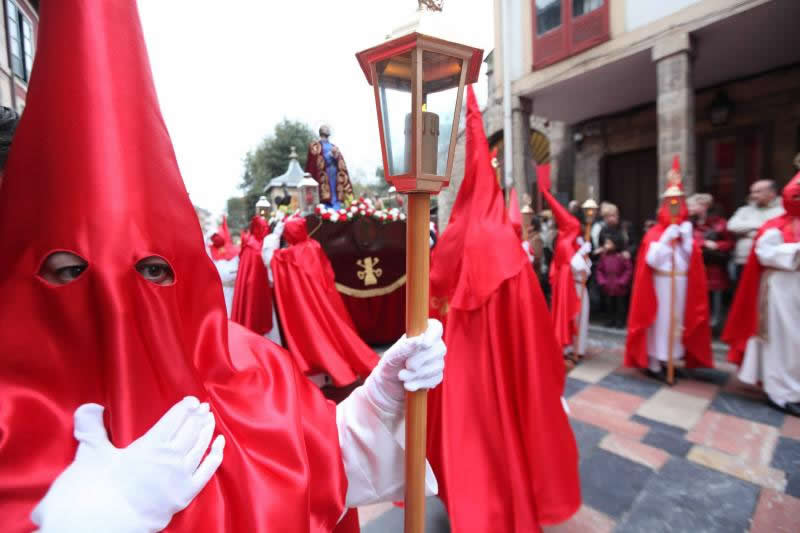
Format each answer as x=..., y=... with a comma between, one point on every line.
x=221, y=246
x=693, y=333
x=566, y=302
x=318, y=330
x=762, y=322
x=92, y=173
x=499, y=439
x=252, y=296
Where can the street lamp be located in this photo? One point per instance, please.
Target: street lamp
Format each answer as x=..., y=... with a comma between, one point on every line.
x=418, y=83
x=309, y=194
x=262, y=207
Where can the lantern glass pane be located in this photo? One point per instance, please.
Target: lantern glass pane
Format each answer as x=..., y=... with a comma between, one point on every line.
x=441, y=75
x=394, y=92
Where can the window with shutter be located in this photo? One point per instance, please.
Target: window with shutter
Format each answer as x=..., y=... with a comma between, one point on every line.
x=567, y=27
x=20, y=41
x=549, y=41
x=588, y=24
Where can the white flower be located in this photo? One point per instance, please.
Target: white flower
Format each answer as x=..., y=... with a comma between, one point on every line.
x=402, y=216
x=334, y=217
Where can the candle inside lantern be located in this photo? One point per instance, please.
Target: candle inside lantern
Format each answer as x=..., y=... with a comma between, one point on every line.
x=429, y=144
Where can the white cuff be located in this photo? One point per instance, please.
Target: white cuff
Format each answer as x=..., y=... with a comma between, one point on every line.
x=373, y=451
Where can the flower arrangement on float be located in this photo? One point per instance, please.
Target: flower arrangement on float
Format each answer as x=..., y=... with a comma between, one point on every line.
x=359, y=208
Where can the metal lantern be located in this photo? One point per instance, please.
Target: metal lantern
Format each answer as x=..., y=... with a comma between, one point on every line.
x=589, y=213
x=590, y=209
x=309, y=194
x=419, y=83
x=262, y=207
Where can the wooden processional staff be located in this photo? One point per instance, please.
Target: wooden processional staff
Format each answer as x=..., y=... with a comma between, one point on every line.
x=418, y=81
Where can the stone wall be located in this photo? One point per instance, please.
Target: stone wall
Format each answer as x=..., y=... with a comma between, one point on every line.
x=770, y=101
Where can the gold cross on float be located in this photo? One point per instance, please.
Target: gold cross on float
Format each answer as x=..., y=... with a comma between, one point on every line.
x=369, y=275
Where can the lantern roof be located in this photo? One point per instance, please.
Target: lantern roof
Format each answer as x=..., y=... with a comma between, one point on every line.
x=410, y=41
x=291, y=178
x=308, y=181
x=589, y=204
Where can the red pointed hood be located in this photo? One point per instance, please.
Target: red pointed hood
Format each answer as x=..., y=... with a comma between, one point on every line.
x=478, y=250
x=569, y=228
x=674, y=180
x=92, y=171
x=295, y=230
x=221, y=246
x=565, y=304
x=791, y=196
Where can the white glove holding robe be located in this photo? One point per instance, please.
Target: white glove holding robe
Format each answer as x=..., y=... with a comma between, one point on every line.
x=135, y=489
x=410, y=364
x=670, y=234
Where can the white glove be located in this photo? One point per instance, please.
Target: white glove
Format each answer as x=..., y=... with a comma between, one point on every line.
x=134, y=489
x=670, y=234
x=410, y=364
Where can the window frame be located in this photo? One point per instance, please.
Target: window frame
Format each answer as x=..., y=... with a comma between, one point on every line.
x=20, y=58
x=559, y=43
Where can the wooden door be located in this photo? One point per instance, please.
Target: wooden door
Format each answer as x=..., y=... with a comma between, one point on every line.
x=630, y=181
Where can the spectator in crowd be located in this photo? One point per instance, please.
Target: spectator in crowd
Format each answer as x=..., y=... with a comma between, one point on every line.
x=8, y=124
x=764, y=205
x=599, y=224
x=613, y=229
x=614, y=271
x=548, y=228
x=711, y=234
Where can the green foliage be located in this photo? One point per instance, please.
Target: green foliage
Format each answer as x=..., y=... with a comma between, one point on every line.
x=271, y=158
x=382, y=187
x=238, y=214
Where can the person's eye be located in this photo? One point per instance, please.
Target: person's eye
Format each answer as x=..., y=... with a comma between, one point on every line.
x=156, y=270
x=67, y=274
x=61, y=268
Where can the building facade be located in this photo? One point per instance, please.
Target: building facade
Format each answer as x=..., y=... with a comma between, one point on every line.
x=619, y=87
x=19, y=31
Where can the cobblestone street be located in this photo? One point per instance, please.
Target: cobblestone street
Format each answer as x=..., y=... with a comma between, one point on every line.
x=707, y=455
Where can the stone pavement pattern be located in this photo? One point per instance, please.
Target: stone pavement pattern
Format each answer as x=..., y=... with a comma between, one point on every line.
x=707, y=455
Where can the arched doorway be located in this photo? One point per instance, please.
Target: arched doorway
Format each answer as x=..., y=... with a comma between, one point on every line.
x=539, y=150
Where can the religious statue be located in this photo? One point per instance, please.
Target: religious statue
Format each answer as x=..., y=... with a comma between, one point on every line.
x=326, y=164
